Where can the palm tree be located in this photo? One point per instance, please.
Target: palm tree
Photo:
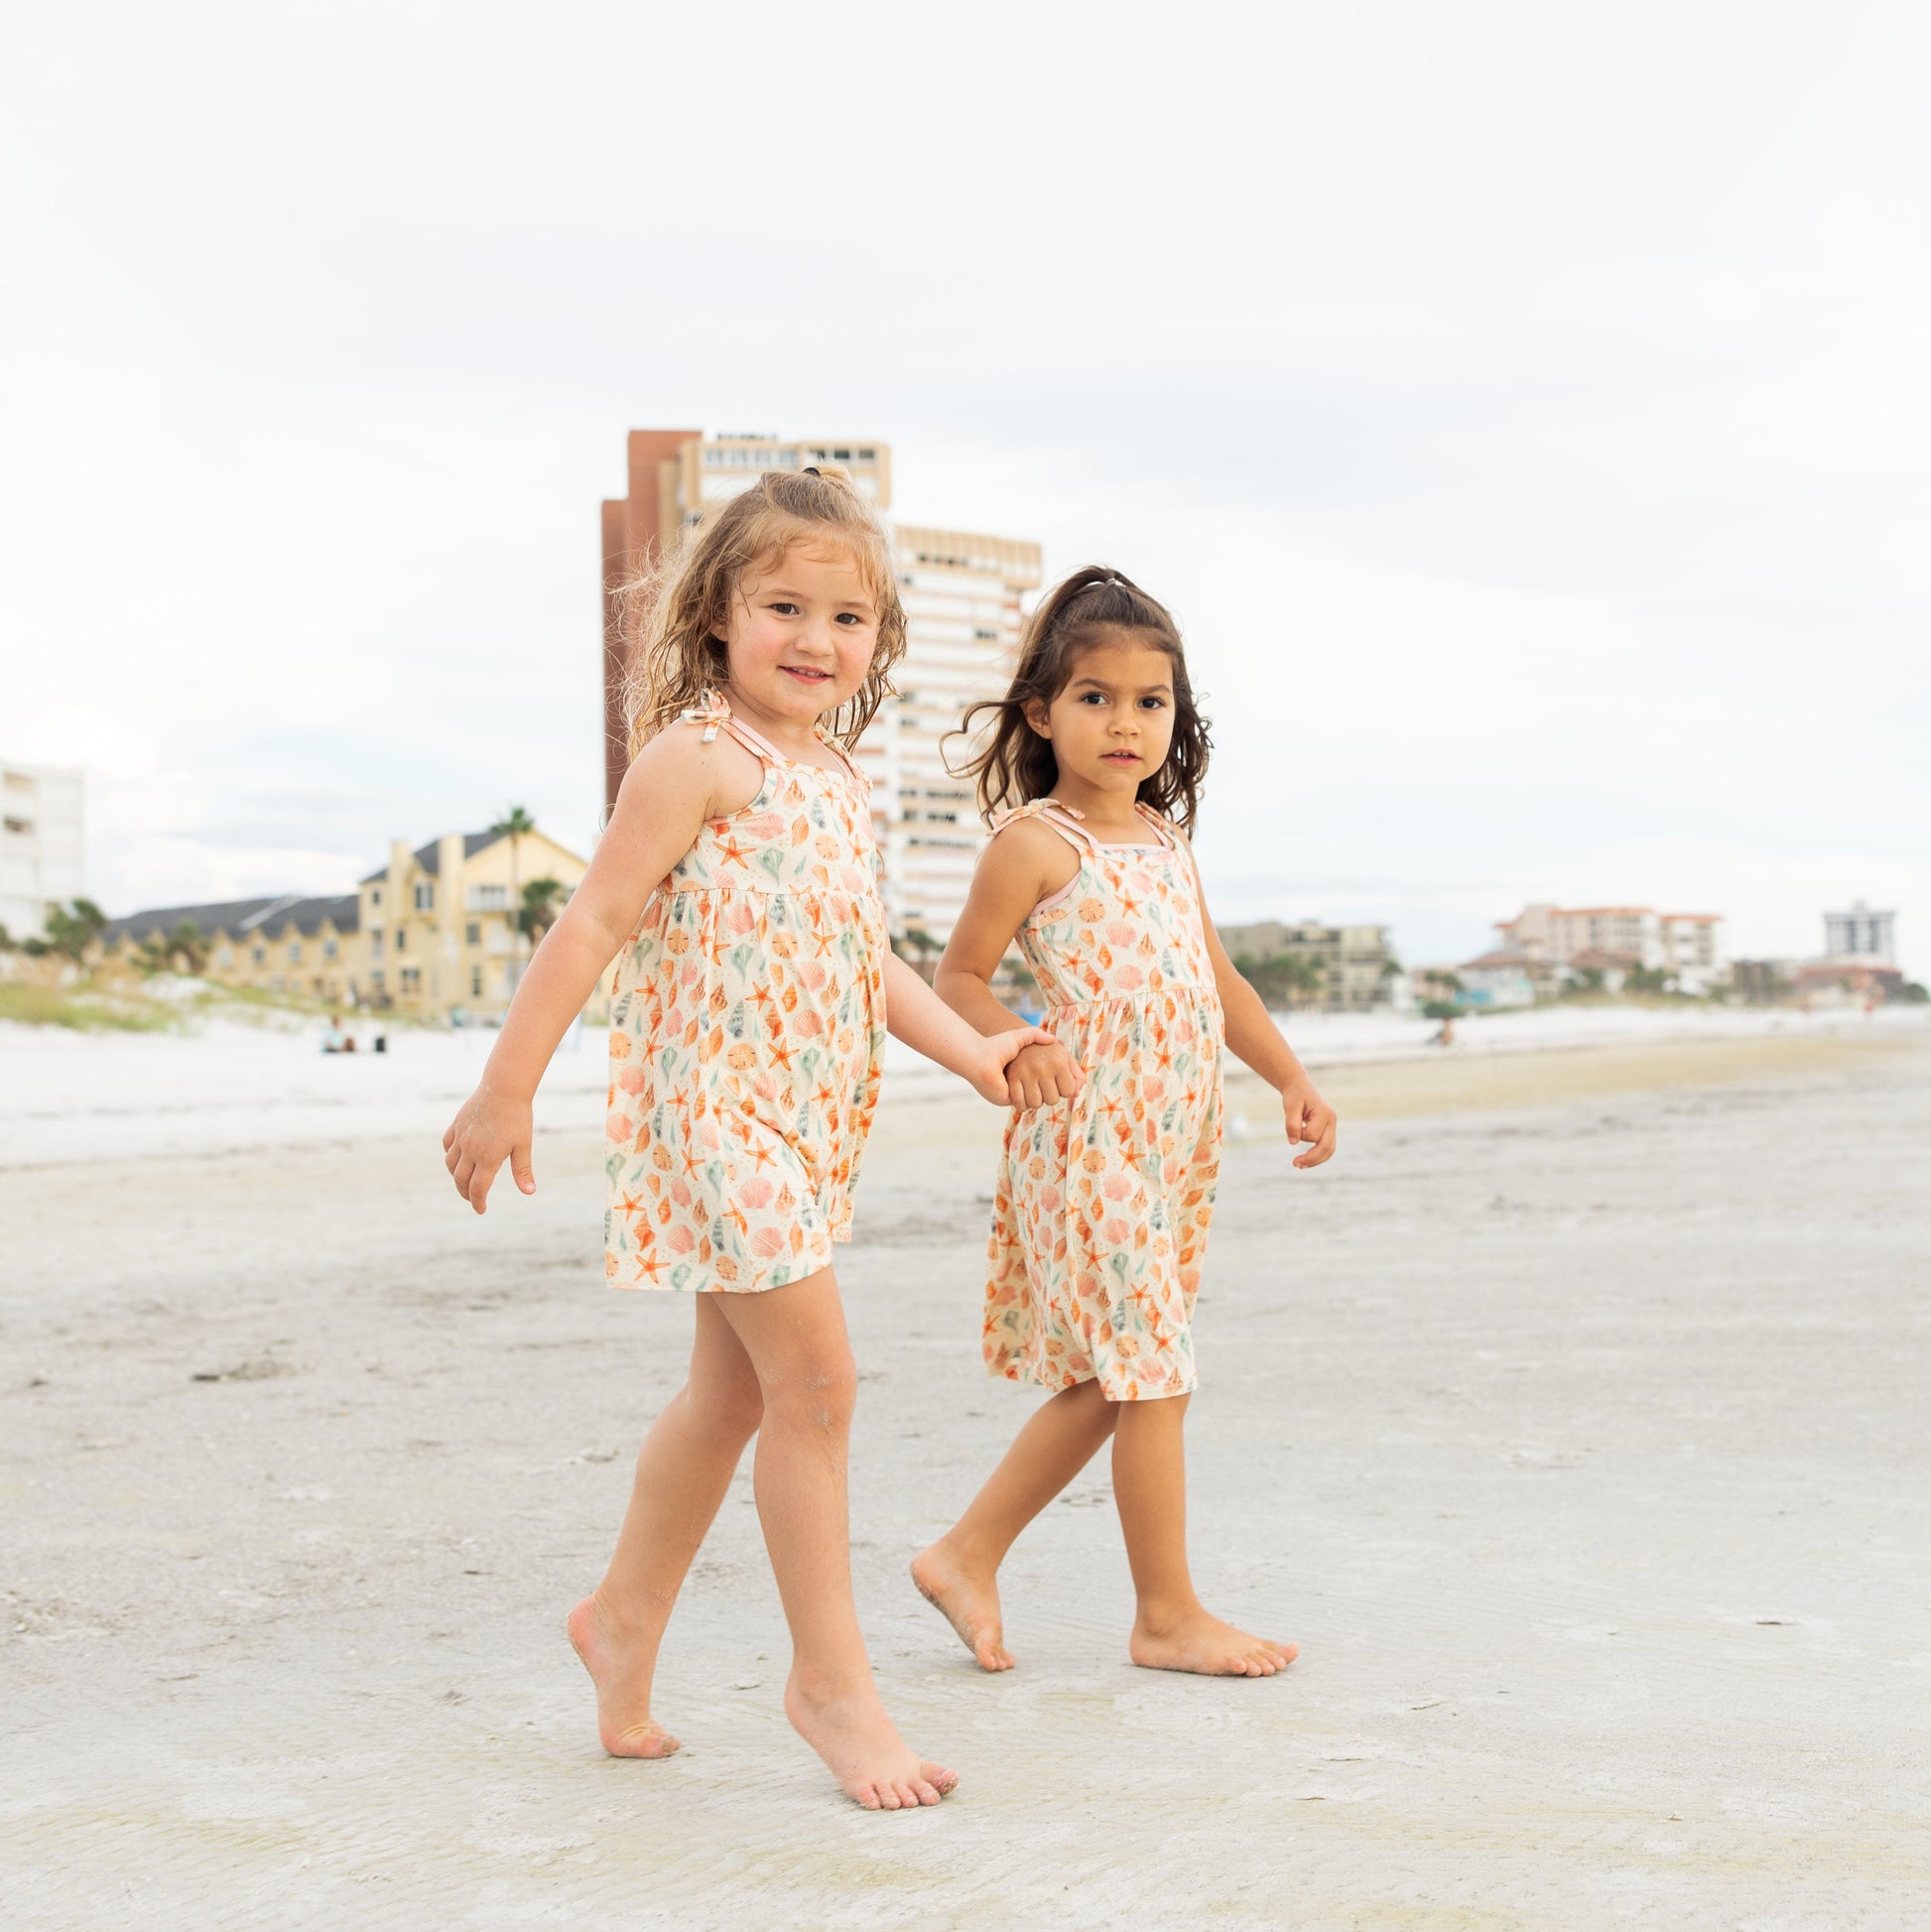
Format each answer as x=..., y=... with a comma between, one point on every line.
x=922, y=947
x=512, y=825
x=538, y=912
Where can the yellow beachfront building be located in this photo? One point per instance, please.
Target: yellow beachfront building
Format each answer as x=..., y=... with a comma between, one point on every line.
x=433, y=929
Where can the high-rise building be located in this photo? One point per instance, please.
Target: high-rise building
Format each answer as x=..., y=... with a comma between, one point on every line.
x=961, y=594
x=41, y=845
x=1862, y=934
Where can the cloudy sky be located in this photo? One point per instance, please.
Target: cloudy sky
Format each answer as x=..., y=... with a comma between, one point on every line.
x=1526, y=409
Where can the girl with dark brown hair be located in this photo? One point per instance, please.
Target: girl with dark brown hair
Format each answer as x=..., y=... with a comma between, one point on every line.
x=1093, y=768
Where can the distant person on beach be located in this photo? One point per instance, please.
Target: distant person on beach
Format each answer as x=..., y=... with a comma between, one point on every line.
x=754, y=993
x=334, y=1039
x=1095, y=758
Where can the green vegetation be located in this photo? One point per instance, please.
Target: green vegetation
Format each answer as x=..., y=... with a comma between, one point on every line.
x=85, y=1010
x=71, y=930
x=1288, y=980
x=181, y=951
x=542, y=902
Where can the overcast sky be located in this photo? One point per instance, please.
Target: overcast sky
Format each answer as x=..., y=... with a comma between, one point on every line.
x=1526, y=410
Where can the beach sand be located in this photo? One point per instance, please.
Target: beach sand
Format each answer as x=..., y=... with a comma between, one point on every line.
x=1573, y=1421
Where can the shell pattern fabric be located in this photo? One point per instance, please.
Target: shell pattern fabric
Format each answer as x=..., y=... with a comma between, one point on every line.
x=1100, y=1218
x=746, y=1038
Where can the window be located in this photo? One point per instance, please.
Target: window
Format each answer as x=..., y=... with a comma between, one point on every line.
x=472, y=935
x=330, y=948
x=224, y=956
x=376, y=895
x=424, y=895
x=261, y=956
x=376, y=977
x=402, y=939
x=295, y=953
x=489, y=898
x=412, y=978
x=375, y=942
x=475, y=982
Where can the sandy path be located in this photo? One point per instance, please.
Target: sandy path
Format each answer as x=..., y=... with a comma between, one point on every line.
x=1581, y=1444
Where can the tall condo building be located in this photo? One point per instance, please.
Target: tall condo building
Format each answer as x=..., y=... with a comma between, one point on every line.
x=961, y=594
x=1861, y=933
x=41, y=844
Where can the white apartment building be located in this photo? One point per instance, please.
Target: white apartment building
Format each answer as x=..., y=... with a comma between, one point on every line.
x=962, y=619
x=42, y=852
x=962, y=591
x=1687, y=945
x=1862, y=934
x=1694, y=949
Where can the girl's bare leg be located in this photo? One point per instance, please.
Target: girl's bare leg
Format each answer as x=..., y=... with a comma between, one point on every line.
x=796, y=1341
x=684, y=1469
x=959, y=1573
x=1172, y=1628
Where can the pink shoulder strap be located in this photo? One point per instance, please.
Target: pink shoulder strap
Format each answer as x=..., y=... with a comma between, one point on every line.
x=714, y=713
x=1168, y=830
x=1064, y=819
x=833, y=746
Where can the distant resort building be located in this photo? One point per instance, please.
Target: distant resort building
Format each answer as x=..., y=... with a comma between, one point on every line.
x=434, y=929
x=1546, y=947
x=40, y=850
x=1859, y=961
x=1614, y=941
x=273, y=944
x=1338, y=969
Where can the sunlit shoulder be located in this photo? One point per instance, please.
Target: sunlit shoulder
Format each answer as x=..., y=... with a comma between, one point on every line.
x=677, y=769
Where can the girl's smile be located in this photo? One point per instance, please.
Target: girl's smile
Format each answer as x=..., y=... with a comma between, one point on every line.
x=799, y=637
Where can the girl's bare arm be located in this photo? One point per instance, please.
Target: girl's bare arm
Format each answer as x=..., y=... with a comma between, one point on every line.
x=676, y=782
x=1022, y=865
x=1256, y=1041
x=916, y=1014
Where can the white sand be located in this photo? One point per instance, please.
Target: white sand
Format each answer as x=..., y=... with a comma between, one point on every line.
x=1580, y=1447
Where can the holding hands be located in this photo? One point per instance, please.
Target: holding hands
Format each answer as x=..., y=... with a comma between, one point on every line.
x=1041, y=1074
x=998, y=1079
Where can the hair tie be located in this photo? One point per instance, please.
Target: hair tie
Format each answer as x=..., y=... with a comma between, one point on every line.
x=811, y=469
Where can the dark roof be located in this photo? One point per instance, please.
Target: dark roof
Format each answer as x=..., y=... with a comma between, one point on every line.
x=430, y=856
x=240, y=917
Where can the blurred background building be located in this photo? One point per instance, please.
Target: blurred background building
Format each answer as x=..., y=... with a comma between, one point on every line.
x=1862, y=934
x=42, y=852
x=1338, y=969
x=449, y=924
x=962, y=591
x=1686, y=947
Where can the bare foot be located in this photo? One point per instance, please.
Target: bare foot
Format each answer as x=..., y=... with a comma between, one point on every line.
x=621, y=1666
x=871, y=1762
x=967, y=1598
x=1196, y=1640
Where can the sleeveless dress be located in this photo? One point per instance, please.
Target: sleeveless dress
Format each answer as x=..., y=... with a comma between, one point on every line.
x=1099, y=1222
x=747, y=1037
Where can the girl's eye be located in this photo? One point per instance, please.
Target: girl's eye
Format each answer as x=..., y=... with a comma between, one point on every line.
x=849, y=617
x=1153, y=704
x=1093, y=697
x=784, y=609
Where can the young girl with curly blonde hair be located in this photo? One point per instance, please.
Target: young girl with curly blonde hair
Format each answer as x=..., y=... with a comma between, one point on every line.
x=1095, y=759
x=736, y=886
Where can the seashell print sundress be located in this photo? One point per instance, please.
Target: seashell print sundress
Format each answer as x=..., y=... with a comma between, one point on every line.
x=746, y=1038
x=1099, y=1222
